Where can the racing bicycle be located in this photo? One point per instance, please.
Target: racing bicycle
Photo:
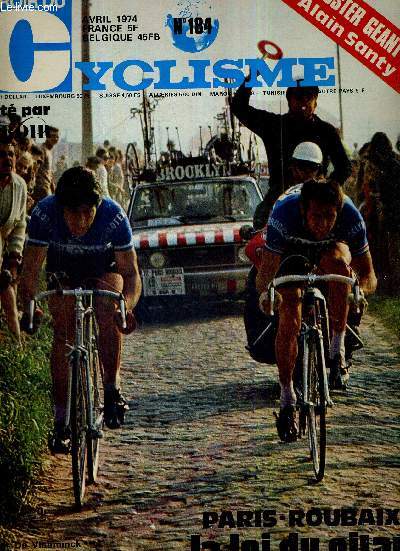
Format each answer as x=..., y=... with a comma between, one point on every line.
x=84, y=410
x=310, y=376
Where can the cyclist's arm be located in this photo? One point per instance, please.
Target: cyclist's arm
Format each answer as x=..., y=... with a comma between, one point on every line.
x=269, y=266
x=364, y=268
x=34, y=257
x=128, y=268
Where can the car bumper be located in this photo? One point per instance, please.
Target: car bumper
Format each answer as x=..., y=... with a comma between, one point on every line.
x=229, y=282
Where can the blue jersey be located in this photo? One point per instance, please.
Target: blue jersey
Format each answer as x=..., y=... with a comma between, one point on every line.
x=286, y=221
x=89, y=255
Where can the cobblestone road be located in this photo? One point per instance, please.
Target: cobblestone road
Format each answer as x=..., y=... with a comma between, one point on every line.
x=200, y=437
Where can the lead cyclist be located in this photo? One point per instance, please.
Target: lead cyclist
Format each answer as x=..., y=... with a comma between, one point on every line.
x=86, y=241
x=317, y=211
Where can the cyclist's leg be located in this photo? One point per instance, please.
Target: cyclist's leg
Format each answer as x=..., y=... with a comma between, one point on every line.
x=110, y=343
x=62, y=312
x=286, y=353
x=337, y=261
x=286, y=341
x=110, y=339
x=289, y=325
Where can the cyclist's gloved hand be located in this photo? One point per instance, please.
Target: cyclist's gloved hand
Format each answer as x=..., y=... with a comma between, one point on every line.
x=131, y=322
x=37, y=320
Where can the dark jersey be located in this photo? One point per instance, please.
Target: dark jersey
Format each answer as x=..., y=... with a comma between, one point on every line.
x=87, y=256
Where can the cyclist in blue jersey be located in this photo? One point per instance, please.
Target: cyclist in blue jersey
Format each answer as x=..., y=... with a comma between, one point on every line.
x=316, y=211
x=87, y=242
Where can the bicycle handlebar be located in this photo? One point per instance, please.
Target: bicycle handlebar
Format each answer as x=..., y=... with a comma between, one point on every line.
x=79, y=293
x=311, y=279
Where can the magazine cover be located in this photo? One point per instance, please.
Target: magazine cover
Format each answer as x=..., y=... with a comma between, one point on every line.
x=193, y=119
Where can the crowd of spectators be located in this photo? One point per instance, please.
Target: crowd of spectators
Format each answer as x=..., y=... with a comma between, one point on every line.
x=374, y=186
x=28, y=173
x=107, y=163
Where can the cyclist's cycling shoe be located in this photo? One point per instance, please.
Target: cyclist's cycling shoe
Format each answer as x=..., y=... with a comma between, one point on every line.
x=339, y=373
x=286, y=424
x=115, y=407
x=60, y=439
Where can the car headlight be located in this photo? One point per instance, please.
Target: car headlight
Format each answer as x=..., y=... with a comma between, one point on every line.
x=242, y=256
x=157, y=260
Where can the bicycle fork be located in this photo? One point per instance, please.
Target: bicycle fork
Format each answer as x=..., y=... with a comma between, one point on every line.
x=314, y=333
x=78, y=357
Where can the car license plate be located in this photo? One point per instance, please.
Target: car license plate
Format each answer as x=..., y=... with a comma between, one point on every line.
x=165, y=281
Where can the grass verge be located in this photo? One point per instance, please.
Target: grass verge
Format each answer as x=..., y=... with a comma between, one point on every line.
x=25, y=418
x=388, y=310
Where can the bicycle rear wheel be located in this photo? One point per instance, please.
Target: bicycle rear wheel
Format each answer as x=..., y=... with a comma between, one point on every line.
x=316, y=408
x=96, y=392
x=78, y=430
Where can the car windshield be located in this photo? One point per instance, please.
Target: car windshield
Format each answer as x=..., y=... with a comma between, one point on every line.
x=191, y=202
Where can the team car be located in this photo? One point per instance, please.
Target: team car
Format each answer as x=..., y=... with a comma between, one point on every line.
x=186, y=233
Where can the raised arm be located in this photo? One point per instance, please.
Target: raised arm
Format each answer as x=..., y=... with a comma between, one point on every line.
x=254, y=119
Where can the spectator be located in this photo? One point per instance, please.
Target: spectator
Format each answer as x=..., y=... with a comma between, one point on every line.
x=37, y=156
x=37, y=160
x=61, y=166
x=12, y=231
x=24, y=168
x=101, y=172
x=93, y=163
x=350, y=187
x=282, y=133
x=381, y=185
x=362, y=160
x=23, y=144
x=15, y=123
x=44, y=183
x=116, y=177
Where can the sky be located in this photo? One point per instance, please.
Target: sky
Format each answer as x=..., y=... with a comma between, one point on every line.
x=243, y=23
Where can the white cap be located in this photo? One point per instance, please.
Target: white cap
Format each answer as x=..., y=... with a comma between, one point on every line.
x=308, y=151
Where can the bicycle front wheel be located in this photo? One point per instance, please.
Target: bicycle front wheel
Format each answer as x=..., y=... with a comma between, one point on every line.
x=95, y=384
x=78, y=430
x=316, y=408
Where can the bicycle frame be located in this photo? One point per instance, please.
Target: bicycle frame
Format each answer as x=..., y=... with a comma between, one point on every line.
x=310, y=280
x=314, y=392
x=78, y=347
x=81, y=417
x=313, y=330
